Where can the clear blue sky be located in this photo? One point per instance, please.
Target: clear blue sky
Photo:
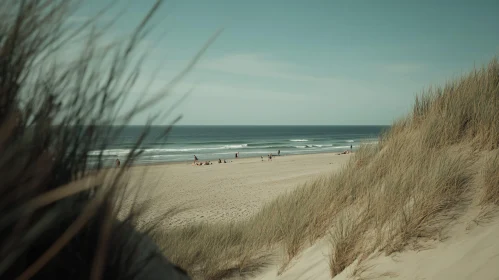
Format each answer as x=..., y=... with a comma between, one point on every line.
x=309, y=62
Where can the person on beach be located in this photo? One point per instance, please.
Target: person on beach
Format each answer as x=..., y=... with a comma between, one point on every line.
x=351, y=147
x=219, y=161
x=195, y=159
x=225, y=161
x=118, y=163
x=237, y=154
x=278, y=152
x=261, y=157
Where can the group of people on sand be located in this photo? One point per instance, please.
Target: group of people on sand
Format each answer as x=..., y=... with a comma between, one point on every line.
x=197, y=162
x=203, y=163
x=345, y=152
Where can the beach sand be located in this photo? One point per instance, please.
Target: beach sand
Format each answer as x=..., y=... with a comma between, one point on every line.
x=227, y=191
x=235, y=190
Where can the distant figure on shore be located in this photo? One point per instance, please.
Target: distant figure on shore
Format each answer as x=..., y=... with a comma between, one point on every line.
x=261, y=157
x=351, y=147
x=219, y=161
x=225, y=161
x=236, y=155
x=118, y=163
x=195, y=158
x=270, y=157
x=278, y=152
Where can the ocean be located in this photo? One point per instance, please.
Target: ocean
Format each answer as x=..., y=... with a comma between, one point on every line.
x=223, y=142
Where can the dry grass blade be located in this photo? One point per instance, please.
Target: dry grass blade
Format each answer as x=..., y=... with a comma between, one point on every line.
x=65, y=237
x=490, y=178
x=54, y=110
x=99, y=261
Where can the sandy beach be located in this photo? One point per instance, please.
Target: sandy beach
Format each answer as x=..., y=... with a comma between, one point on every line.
x=230, y=191
x=236, y=190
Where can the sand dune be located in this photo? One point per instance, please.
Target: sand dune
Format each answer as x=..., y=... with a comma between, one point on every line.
x=467, y=253
x=470, y=251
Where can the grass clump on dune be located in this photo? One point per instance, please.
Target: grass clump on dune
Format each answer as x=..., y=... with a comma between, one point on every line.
x=428, y=167
x=417, y=179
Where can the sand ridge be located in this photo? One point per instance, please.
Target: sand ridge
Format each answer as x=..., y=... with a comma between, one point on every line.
x=467, y=253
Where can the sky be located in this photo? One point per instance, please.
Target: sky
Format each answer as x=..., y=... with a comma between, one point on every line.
x=303, y=62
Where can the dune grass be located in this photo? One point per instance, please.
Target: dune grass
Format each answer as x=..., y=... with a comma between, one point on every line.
x=489, y=177
x=429, y=167
x=409, y=186
x=63, y=81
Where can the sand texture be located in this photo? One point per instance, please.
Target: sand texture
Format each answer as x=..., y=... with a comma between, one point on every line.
x=230, y=191
x=468, y=251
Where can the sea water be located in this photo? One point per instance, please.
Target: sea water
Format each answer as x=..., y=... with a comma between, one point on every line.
x=223, y=142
